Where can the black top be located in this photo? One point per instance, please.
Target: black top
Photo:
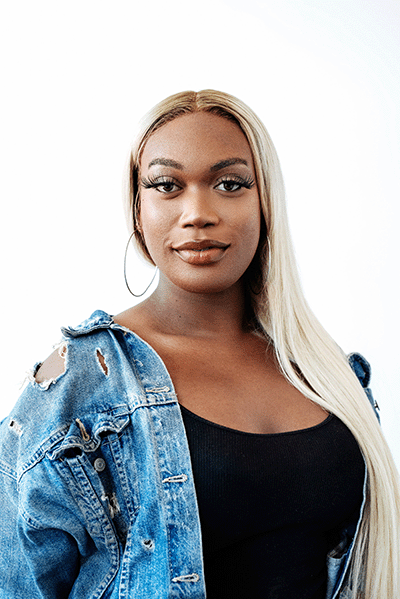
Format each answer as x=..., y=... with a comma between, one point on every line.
x=271, y=505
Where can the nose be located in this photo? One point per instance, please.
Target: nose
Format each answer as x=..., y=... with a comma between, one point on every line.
x=199, y=210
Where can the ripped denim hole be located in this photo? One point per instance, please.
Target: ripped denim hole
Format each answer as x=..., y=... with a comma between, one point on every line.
x=148, y=544
x=84, y=433
x=15, y=426
x=178, y=478
x=113, y=505
x=102, y=362
x=157, y=389
x=187, y=578
x=62, y=350
x=51, y=369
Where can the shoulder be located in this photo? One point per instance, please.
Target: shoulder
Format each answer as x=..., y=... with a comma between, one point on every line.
x=76, y=350
x=89, y=375
x=362, y=369
x=78, y=354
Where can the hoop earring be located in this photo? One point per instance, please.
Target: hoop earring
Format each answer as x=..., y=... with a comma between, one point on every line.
x=126, y=280
x=267, y=274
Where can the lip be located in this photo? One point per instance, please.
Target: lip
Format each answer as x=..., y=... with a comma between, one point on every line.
x=201, y=252
x=200, y=244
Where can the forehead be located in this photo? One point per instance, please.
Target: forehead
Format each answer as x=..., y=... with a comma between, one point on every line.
x=201, y=138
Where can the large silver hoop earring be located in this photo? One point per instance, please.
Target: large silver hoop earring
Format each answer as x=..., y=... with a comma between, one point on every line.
x=125, y=277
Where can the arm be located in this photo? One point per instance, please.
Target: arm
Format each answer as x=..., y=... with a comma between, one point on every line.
x=37, y=559
x=52, y=543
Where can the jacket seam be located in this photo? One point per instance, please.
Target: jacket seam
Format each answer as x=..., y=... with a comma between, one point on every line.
x=7, y=471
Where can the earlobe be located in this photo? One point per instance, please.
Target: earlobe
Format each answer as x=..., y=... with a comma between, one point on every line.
x=138, y=227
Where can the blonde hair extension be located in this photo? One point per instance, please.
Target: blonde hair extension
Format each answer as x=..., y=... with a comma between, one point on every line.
x=307, y=355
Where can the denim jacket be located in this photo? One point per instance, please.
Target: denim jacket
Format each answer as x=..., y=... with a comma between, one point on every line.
x=97, y=495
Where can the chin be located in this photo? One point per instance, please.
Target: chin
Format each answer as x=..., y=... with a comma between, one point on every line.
x=201, y=284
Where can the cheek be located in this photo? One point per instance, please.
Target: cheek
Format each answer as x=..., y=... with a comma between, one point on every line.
x=155, y=223
x=251, y=228
x=148, y=212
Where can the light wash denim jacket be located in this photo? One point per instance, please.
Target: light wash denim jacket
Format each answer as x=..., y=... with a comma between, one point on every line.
x=96, y=488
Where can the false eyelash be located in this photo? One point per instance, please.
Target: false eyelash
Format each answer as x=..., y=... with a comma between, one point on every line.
x=155, y=181
x=247, y=182
x=150, y=182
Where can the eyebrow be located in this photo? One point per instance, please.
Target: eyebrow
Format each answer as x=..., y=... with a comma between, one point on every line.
x=215, y=167
x=166, y=162
x=229, y=162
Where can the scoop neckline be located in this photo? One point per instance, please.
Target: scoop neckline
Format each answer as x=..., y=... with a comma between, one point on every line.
x=239, y=432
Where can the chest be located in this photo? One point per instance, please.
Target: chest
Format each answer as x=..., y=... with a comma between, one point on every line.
x=239, y=386
x=273, y=505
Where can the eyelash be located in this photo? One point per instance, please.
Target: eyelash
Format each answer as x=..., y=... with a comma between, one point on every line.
x=155, y=182
x=246, y=182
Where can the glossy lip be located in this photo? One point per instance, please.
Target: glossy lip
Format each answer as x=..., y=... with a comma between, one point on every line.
x=200, y=244
x=201, y=252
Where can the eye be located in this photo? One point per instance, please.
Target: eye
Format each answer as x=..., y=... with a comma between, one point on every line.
x=228, y=186
x=167, y=187
x=161, y=184
x=234, y=183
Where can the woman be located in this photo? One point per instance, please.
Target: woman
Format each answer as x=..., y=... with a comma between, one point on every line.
x=213, y=436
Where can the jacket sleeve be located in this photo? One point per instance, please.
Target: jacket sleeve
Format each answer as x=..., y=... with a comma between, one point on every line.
x=362, y=369
x=38, y=559
x=57, y=537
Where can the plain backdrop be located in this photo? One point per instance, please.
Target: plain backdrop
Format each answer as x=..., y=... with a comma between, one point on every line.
x=76, y=77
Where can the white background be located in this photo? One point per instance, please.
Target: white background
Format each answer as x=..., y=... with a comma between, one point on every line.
x=76, y=77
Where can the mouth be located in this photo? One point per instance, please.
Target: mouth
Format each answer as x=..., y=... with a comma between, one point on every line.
x=201, y=252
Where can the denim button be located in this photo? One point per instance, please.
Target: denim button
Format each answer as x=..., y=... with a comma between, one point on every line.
x=99, y=464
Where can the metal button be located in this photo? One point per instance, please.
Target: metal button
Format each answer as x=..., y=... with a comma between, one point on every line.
x=99, y=464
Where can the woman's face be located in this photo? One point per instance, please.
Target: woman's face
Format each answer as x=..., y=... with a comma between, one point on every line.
x=199, y=203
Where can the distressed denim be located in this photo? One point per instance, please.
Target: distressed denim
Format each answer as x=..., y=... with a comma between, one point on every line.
x=97, y=495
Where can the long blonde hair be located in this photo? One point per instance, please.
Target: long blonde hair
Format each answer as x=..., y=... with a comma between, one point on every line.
x=308, y=357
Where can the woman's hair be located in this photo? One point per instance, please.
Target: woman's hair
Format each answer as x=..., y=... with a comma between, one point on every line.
x=307, y=355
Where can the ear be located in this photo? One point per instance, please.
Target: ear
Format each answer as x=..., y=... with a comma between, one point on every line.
x=137, y=221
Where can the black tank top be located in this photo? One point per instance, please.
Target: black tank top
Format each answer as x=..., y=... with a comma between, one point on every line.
x=272, y=505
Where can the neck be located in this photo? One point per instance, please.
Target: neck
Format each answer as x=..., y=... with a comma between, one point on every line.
x=176, y=311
